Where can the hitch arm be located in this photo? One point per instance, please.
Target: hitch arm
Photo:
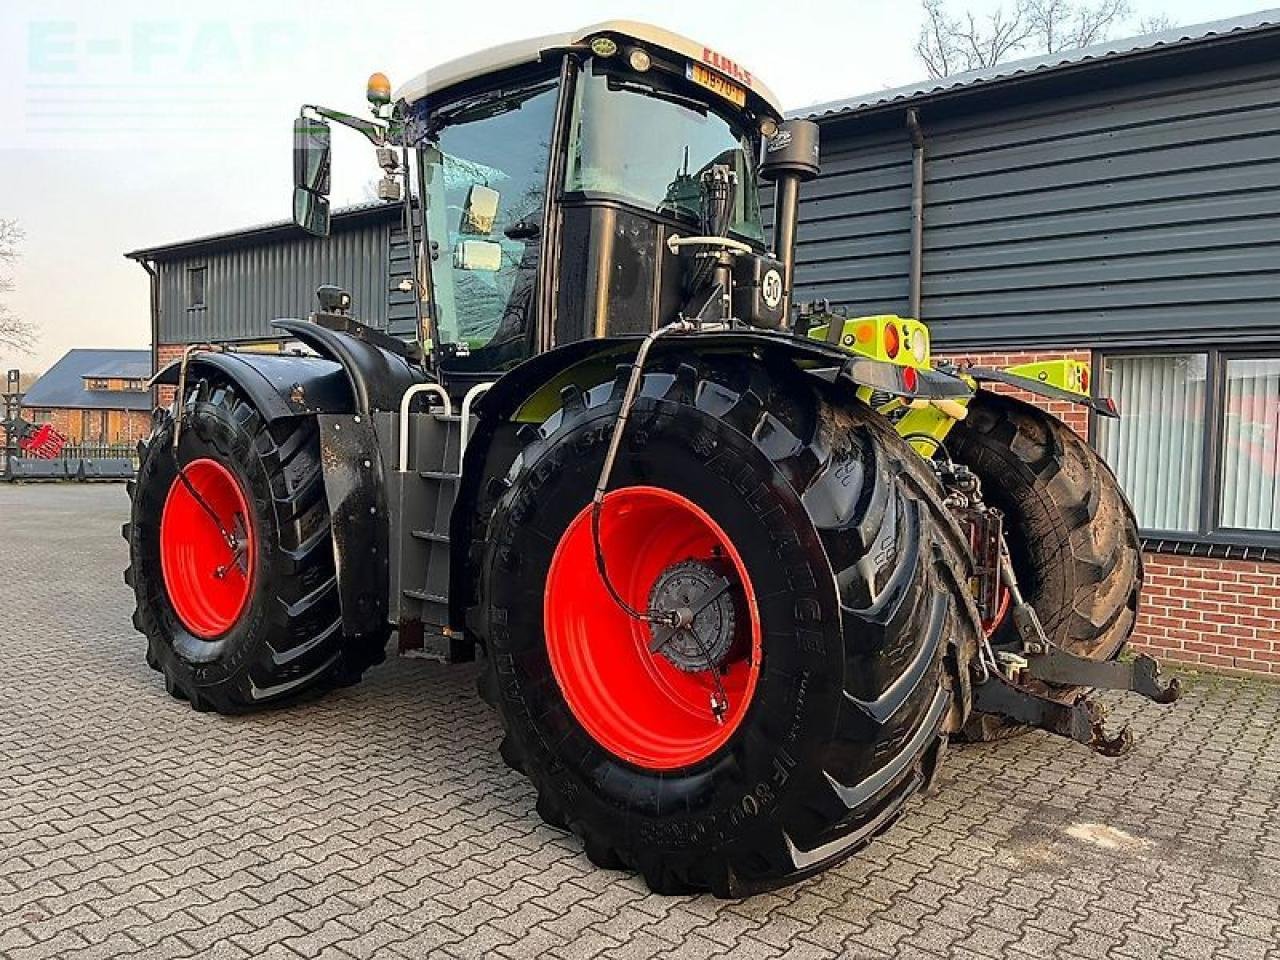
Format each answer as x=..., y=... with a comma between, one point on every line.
x=1081, y=721
x=1141, y=676
x=1051, y=664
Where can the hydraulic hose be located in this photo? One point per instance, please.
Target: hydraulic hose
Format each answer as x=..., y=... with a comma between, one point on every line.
x=615, y=443
x=233, y=542
x=720, y=701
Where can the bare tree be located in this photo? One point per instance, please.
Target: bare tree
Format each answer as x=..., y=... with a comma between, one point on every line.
x=1064, y=25
x=1156, y=23
x=936, y=45
x=15, y=332
x=949, y=44
x=952, y=43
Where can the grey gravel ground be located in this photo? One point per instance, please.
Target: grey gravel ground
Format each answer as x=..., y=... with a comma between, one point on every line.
x=380, y=819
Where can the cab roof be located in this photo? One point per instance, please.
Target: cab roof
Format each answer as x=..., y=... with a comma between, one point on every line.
x=522, y=52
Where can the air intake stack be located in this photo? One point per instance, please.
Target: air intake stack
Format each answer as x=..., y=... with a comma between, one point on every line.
x=790, y=159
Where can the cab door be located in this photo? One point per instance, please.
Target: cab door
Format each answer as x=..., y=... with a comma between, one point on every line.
x=484, y=181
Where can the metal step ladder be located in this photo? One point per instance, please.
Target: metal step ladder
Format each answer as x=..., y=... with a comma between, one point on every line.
x=428, y=471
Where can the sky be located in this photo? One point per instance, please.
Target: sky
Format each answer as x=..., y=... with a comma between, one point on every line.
x=131, y=123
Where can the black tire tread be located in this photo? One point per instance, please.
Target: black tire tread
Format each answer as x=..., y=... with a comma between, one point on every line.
x=924, y=620
x=306, y=651
x=1071, y=531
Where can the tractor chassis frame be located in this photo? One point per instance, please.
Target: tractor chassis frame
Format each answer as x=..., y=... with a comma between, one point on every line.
x=1140, y=675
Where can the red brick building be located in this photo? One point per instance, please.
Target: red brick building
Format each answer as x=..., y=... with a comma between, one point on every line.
x=94, y=396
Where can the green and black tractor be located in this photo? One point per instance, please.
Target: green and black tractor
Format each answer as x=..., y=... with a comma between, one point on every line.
x=738, y=568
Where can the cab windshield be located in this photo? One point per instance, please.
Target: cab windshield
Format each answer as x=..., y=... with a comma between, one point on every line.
x=647, y=146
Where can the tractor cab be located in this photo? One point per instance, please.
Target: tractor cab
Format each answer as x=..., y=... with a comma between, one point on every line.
x=573, y=187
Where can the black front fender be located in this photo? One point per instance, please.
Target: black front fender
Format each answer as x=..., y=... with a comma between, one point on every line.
x=342, y=387
x=279, y=385
x=378, y=378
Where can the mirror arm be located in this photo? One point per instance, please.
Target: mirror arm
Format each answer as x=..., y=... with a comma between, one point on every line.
x=376, y=133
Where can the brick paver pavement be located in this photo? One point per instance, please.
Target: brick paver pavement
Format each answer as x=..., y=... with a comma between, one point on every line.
x=379, y=820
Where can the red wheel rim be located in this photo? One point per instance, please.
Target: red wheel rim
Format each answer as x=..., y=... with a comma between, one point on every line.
x=207, y=586
x=634, y=703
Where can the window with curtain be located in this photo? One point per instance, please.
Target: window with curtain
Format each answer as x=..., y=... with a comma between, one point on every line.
x=1181, y=411
x=1250, y=458
x=1156, y=447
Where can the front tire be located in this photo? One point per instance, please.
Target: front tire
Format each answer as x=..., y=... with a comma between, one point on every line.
x=856, y=575
x=237, y=633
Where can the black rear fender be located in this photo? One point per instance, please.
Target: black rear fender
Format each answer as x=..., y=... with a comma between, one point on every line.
x=549, y=371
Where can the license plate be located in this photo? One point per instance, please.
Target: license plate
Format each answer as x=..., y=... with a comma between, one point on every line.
x=716, y=84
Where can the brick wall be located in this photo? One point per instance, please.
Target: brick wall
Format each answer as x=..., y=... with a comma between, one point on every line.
x=121, y=426
x=1221, y=615
x=66, y=422
x=166, y=353
x=169, y=352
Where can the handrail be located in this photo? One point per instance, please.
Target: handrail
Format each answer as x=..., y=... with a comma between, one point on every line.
x=467, y=402
x=675, y=242
x=405, y=401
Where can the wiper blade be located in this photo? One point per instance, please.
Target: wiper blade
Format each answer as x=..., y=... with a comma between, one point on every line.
x=647, y=91
x=485, y=105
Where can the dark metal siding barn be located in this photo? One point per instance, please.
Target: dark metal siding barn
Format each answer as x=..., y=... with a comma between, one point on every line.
x=229, y=287
x=1103, y=198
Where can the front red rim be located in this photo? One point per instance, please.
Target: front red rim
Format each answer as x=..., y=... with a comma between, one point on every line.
x=634, y=703
x=207, y=586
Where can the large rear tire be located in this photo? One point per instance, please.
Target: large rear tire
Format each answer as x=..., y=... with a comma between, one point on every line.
x=1072, y=536
x=234, y=634
x=852, y=612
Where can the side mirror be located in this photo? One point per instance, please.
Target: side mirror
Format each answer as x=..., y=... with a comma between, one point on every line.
x=311, y=155
x=311, y=175
x=311, y=211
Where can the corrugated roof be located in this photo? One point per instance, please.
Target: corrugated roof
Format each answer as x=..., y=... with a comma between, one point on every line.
x=63, y=384
x=1111, y=50
x=273, y=229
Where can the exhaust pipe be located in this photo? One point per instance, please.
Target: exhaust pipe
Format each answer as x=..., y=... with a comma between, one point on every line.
x=790, y=159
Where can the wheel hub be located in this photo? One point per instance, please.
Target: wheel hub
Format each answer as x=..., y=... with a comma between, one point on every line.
x=702, y=633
